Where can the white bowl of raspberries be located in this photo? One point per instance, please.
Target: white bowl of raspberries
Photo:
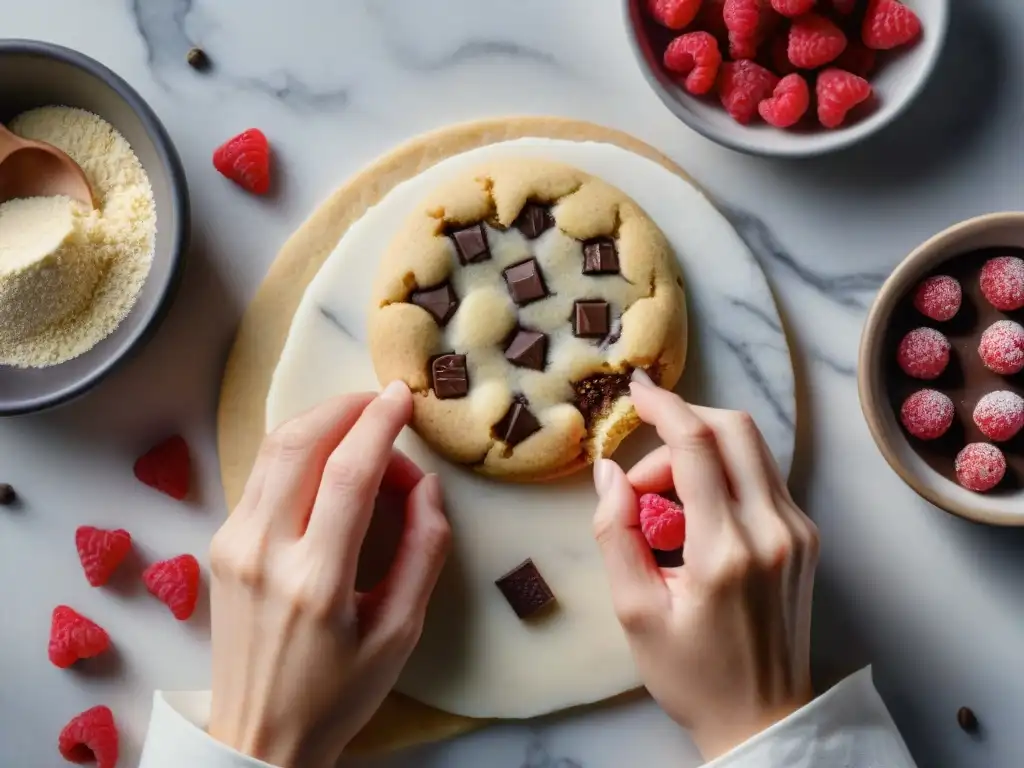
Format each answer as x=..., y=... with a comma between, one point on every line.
x=787, y=78
x=941, y=371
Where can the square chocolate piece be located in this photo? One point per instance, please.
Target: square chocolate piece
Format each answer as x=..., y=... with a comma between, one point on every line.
x=440, y=302
x=471, y=244
x=526, y=590
x=524, y=281
x=451, y=379
x=591, y=319
x=600, y=257
x=528, y=349
x=516, y=425
x=534, y=220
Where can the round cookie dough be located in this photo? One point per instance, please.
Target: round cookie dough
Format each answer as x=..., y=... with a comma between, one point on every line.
x=515, y=302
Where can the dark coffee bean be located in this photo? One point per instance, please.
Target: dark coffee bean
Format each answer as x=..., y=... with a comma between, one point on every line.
x=966, y=719
x=7, y=494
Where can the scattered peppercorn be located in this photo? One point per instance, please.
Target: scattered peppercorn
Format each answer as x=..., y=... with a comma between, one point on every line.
x=7, y=494
x=966, y=719
x=197, y=59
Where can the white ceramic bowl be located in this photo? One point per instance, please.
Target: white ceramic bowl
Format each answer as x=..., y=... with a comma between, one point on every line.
x=896, y=85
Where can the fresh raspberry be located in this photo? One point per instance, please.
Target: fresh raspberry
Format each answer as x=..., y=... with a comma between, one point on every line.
x=814, y=41
x=674, y=14
x=101, y=551
x=788, y=103
x=90, y=737
x=923, y=353
x=1002, y=282
x=980, y=467
x=844, y=7
x=176, y=583
x=778, y=52
x=166, y=467
x=1000, y=415
x=695, y=55
x=742, y=86
x=938, y=297
x=74, y=637
x=662, y=522
x=792, y=8
x=857, y=58
x=743, y=20
x=839, y=92
x=245, y=160
x=927, y=414
x=1002, y=347
x=889, y=24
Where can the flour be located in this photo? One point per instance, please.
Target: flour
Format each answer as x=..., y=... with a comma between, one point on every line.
x=68, y=275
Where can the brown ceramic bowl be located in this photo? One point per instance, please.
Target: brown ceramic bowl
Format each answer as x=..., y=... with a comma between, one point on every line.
x=1003, y=505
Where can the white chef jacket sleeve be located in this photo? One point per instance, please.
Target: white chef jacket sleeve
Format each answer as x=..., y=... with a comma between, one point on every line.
x=177, y=736
x=847, y=727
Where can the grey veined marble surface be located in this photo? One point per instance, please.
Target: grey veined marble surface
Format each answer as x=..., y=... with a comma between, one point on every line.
x=933, y=602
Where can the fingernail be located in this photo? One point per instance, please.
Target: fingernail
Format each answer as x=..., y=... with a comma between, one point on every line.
x=640, y=377
x=432, y=490
x=396, y=390
x=602, y=476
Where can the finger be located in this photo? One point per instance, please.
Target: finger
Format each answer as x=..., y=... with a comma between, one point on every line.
x=739, y=443
x=638, y=590
x=400, y=600
x=351, y=480
x=284, y=479
x=402, y=473
x=653, y=473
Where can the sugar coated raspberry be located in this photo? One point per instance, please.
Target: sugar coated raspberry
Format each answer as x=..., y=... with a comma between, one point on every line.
x=980, y=467
x=1002, y=347
x=101, y=551
x=927, y=414
x=857, y=58
x=814, y=41
x=788, y=102
x=695, y=55
x=1000, y=415
x=74, y=637
x=742, y=86
x=938, y=297
x=889, y=24
x=1002, y=282
x=662, y=522
x=923, y=353
x=792, y=8
x=175, y=582
x=742, y=19
x=90, y=737
x=838, y=92
x=674, y=14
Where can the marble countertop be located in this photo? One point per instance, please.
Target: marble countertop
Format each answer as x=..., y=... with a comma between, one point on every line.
x=932, y=601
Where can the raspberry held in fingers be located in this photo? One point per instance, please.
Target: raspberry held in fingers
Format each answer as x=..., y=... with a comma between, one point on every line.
x=662, y=522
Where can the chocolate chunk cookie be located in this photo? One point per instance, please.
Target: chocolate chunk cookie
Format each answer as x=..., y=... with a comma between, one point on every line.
x=515, y=303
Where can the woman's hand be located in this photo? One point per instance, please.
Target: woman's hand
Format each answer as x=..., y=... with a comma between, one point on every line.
x=301, y=661
x=722, y=642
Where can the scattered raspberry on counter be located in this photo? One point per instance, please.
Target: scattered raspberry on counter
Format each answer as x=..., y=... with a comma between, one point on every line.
x=245, y=159
x=814, y=41
x=1002, y=282
x=889, y=24
x=743, y=85
x=74, y=637
x=980, y=467
x=696, y=56
x=674, y=14
x=90, y=737
x=662, y=522
x=1002, y=347
x=939, y=297
x=838, y=92
x=927, y=414
x=101, y=551
x=923, y=353
x=175, y=582
x=166, y=467
x=1000, y=415
x=788, y=102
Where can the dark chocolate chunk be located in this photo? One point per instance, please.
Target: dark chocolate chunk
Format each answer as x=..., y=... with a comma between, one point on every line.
x=7, y=494
x=450, y=376
x=524, y=281
x=671, y=559
x=441, y=302
x=517, y=424
x=528, y=349
x=591, y=319
x=471, y=243
x=534, y=220
x=526, y=590
x=596, y=394
x=965, y=718
x=600, y=257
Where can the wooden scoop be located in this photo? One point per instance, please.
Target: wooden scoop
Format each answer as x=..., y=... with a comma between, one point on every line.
x=37, y=169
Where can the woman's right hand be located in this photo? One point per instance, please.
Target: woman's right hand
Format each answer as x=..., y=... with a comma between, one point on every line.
x=722, y=642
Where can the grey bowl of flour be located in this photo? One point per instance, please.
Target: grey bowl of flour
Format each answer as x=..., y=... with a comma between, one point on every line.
x=34, y=75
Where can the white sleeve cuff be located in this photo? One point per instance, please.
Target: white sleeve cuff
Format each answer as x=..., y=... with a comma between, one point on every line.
x=848, y=726
x=177, y=735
